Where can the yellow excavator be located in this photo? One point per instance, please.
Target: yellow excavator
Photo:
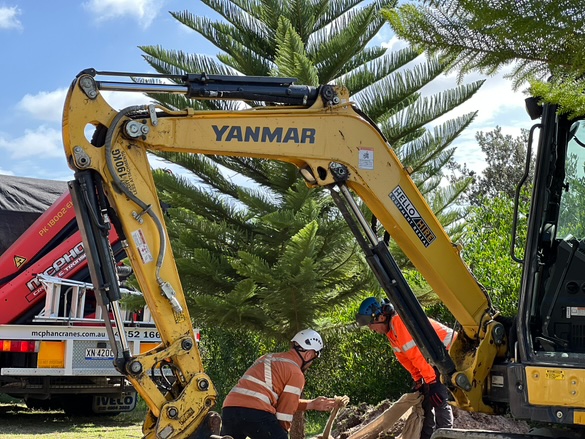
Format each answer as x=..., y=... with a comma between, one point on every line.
x=532, y=365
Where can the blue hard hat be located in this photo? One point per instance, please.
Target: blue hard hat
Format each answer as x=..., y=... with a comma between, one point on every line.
x=369, y=310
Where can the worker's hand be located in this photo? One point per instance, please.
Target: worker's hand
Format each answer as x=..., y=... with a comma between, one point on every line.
x=417, y=386
x=321, y=404
x=436, y=394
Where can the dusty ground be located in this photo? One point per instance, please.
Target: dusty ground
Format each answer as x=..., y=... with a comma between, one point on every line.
x=352, y=418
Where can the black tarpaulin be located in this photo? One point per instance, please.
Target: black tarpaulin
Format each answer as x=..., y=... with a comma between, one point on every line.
x=22, y=201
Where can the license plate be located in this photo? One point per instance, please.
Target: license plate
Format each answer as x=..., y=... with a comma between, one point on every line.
x=99, y=354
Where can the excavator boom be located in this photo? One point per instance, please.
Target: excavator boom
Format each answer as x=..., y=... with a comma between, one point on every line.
x=334, y=146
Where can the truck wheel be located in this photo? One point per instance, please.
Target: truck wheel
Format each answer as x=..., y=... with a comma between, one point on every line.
x=42, y=404
x=77, y=405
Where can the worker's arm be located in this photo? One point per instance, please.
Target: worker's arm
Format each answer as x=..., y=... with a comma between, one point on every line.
x=410, y=355
x=409, y=366
x=320, y=404
x=289, y=399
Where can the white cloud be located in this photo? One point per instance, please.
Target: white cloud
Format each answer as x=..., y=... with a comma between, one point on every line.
x=42, y=143
x=143, y=11
x=46, y=106
x=496, y=105
x=394, y=44
x=492, y=100
x=120, y=100
x=8, y=18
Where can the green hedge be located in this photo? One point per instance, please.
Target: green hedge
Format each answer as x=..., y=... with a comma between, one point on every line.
x=357, y=363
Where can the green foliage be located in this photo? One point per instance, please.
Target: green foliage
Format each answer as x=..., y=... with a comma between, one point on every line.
x=355, y=362
x=265, y=259
x=270, y=266
x=228, y=353
x=358, y=363
x=328, y=42
x=291, y=58
x=567, y=92
x=572, y=212
x=274, y=256
x=538, y=38
x=506, y=159
x=486, y=249
x=506, y=164
x=315, y=422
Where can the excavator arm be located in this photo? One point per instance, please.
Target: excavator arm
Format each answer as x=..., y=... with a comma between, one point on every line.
x=332, y=143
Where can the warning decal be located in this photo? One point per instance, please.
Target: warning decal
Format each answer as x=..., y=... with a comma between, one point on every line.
x=408, y=211
x=18, y=261
x=142, y=246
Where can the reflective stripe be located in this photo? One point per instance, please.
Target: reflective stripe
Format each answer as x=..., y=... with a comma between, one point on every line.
x=261, y=383
x=257, y=395
x=449, y=339
x=408, y=346
x=286, y=360
x=282, y=360
x=268, y=371
x=284, y=417
x=267, y=383
x=292, y=389
x=411, y=344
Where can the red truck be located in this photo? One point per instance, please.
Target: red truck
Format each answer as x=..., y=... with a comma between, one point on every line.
x=54, y=350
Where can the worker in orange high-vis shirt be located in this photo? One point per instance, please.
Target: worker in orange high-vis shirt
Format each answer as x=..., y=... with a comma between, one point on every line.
x=381, y=317
x=261, y=405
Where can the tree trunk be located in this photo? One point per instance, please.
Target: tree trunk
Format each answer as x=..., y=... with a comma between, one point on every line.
x=297, y=428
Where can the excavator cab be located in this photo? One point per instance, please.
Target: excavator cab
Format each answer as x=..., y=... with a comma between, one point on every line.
x=562, y=308
x=545, y=369
x=553, y=296
x=542, y=376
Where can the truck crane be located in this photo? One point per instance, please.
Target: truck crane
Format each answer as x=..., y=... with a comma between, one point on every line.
x=532, y=364
x=54, y=351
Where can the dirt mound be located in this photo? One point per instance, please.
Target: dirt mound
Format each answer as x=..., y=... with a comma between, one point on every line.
x=353, y=418
x=480, y=421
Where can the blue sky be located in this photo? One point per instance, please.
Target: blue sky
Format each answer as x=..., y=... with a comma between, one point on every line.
x=45, y=44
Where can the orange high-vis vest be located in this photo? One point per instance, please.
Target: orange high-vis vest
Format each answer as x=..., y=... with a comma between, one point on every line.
x=274, y=384
x=407, y=352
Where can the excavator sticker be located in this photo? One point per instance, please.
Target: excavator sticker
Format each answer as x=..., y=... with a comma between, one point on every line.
x=366, y=158
x=121, y=164
x=414, y=219
x=553, y=374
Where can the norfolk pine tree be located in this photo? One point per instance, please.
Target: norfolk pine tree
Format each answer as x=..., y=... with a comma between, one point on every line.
x=273, y=255
x=540, y=39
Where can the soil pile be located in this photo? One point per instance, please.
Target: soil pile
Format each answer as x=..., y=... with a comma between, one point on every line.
x=352, y=418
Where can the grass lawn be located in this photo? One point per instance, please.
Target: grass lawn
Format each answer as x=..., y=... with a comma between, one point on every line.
x=20, y=422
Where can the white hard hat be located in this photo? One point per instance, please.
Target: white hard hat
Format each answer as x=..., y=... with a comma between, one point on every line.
x=309, y=339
